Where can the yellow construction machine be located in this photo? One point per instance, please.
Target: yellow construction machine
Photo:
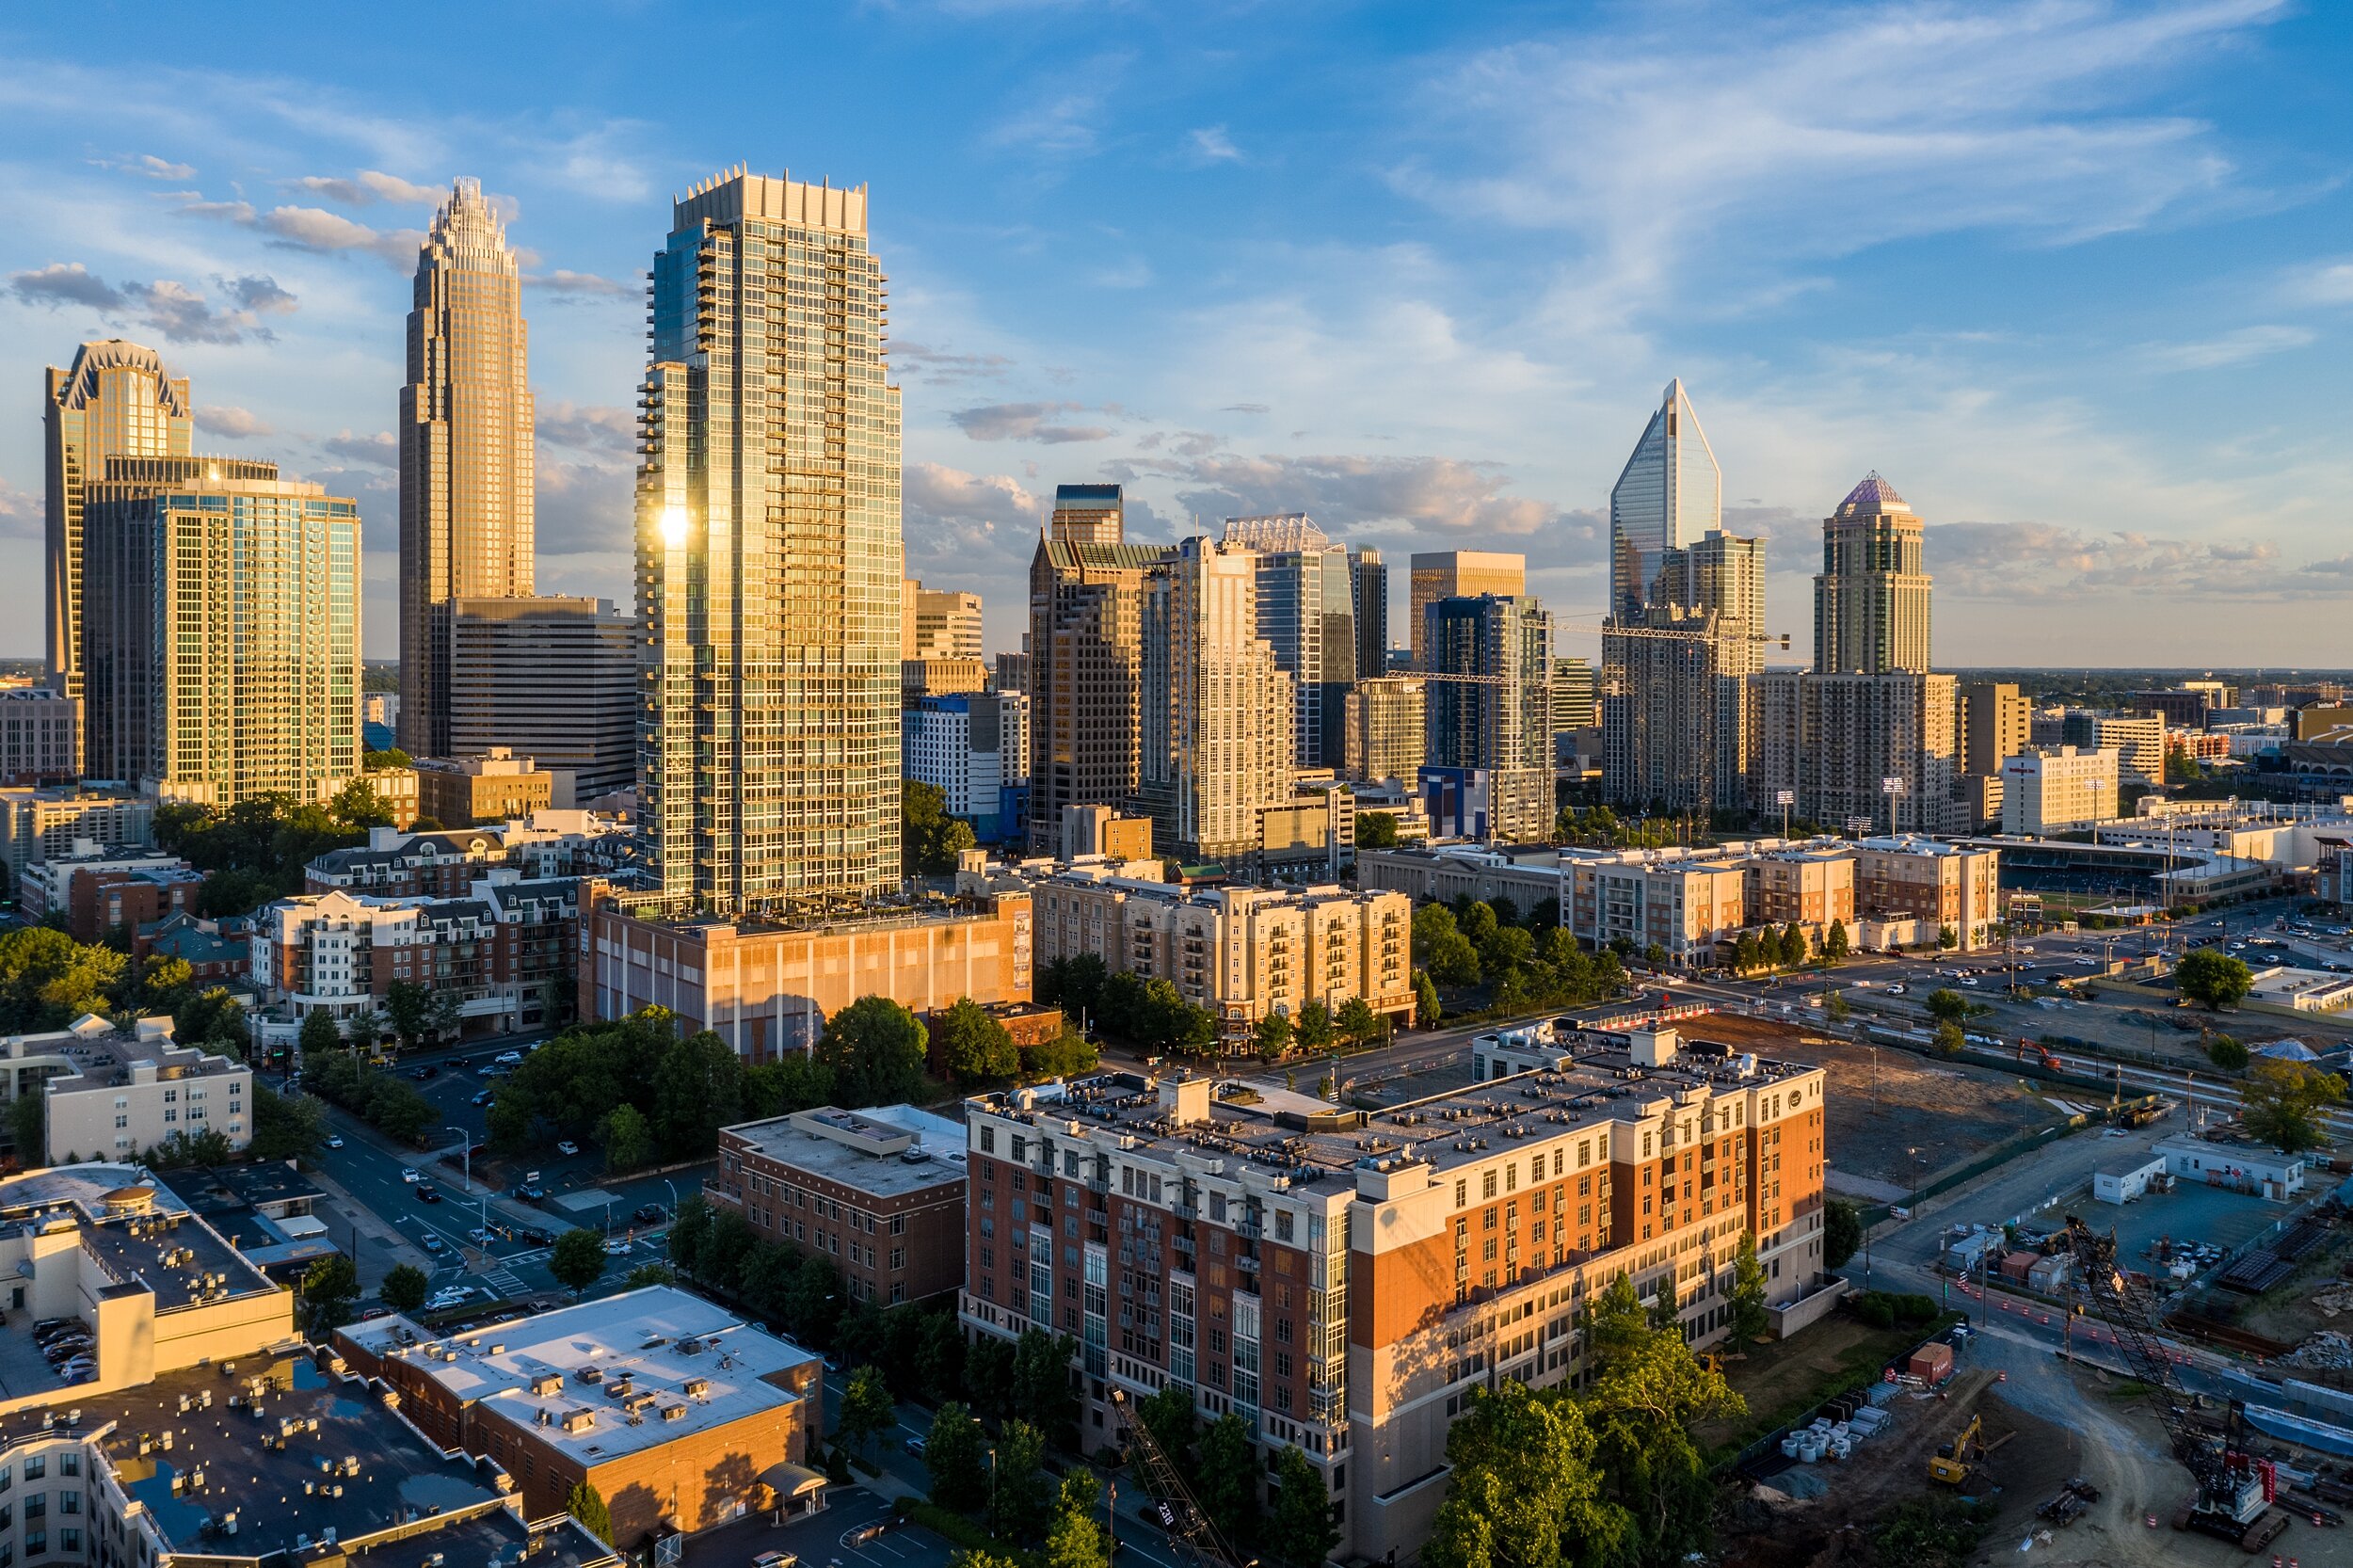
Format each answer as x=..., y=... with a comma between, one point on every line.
x=1951, y=1463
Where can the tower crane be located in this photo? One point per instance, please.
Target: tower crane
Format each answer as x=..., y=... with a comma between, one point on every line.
x=2234, y=1489
x=1191, y=1530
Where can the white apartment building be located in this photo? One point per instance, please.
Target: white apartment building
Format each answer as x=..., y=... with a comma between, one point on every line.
x=2049, y=792
x=972, y=746
x=121, y=1095
x=42, y=824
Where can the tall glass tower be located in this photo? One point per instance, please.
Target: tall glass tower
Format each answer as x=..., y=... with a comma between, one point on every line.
x=114, y=401
x=1670, y=495
x=769, y=561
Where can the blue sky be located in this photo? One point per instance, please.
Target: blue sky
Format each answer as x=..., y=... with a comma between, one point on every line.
x=2077, y=276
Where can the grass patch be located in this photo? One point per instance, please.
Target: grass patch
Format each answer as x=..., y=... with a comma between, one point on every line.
x=1855, y=1366
x=957, y=1529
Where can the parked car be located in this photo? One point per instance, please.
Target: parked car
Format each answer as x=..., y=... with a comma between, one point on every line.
x=777, y=1560
x=914, y=1447
x=566, y=1147
x=531, y=1191
x=650, y=1214
x=482, y=1096
x=371, y=1314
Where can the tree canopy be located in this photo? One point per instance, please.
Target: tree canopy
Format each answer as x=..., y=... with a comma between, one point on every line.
x=2214, y=978
x=2282, y=1103
x=929, y=838
x=875, y=1051
x=974, y=1046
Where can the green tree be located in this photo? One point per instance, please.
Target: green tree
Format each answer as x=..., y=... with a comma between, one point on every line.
x=1227, y=1487
x=1523, y=1491
x=404, y=1287
x=1793, y=945
x=1313, y=1031
x=1041, y=1382
x=286, y=1126
x=1947, y=938
x=1074, y=1539
x=1441, y=949
x=1646, y=1392
x=319, y=1033
x=1750, y=1319
x=47, y=979
x=1357, y=1021
x=875, y=1049
x=1664, y=1307
x=1067, y=1053
x=1836, y=1008
x=1948, y=1005
x=577, y=1260
x=398, y=1110
x=2282, y=1103
x=867, y=1409
x=1019, y=1494
x=697, y=1089
x=974, y=1046
x=1835, y=946
x=409, y=1006
x=1842, y=1232
x=28, y=1123
x=955, y=1454
x=365, y=1028
x=2214, y=978
x=329, y=1289
x=1376, y=830
x=1949, y=1039
x=2226, y=1053
x=988, y=1374
x=1299, y=1529
x=1270, y=1038
x=929, y=838
x=1504, y=910
x=627, y=1138
x=648, y=1273
x=1655, y=955
x=1168, y=1415
x=358, y=805
x=214, y=1018
x=163, y=985
x=1477, y=919
x=1427, y=1010
x=587, y=1504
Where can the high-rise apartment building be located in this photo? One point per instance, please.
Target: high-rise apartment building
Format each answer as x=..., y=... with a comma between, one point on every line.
x=1218, y=710
x=1086, y=653
x=1670, y=495
x=1859, y=752
x=1307, y=610
x=938, y=623
x=1674, y=710
x=115, y=400
x=1368, y=580
x=222, y=630
x=466, y=457
x=1388, y=733
x=1497, y=718
x=1995, y=723
x=554, y=678
x=1871, y=598
x=2138, y=740
x=1458, y=575
x=2050, y=792
x=768, y=555
x=1575, y=704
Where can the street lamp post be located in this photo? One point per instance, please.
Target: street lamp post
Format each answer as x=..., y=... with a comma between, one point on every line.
x=666, y=1182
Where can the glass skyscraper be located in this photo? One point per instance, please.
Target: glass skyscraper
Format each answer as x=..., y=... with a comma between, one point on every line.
x=769, y=559
x=467, y=508
x=1670, y=495
x=114, y=401
x=1308, y=611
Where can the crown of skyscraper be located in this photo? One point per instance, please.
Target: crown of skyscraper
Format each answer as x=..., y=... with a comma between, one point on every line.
x=1873, y=495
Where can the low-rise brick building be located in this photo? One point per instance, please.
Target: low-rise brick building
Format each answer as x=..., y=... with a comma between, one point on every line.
x=680, y=1416
x=95, y=889
x=878, y=1193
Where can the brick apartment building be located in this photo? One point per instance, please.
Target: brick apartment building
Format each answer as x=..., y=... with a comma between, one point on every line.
x=678, y=1414
x=494, y=951
x=1343, y=1279
x=397, y=864
x=98, y=889
x=878, y=1193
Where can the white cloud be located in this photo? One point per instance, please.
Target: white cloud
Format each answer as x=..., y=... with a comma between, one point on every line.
x=366, y=188
x=2230, y=348
x=2046, y=563
x=1816, y=133
x=379, y=449
x=150, y=167
x=1211, y=144
x=1027, y=422
x=2324, y=283
x=588, y=427
x=64, y=283
x=1061, y=115
x=583, y=285
x=226, y=418
x=168, y=306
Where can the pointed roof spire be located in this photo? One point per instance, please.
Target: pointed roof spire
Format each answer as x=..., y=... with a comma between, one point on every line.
x=1874, y=494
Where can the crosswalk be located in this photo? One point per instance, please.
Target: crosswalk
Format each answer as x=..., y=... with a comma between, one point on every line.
x=506, y=1283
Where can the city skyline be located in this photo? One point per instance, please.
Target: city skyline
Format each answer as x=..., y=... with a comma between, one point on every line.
x=1443, y=334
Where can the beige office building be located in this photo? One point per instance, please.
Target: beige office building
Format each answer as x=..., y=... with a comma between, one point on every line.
x=554, y=678
x=222, y=625
x=938, y=623
x=1218, y=709
x=1086, y=657
x=1459, y=574
x=1926, y=885
x=496, y=786
x=1996, y=723
x=1871, y=598
x=467, y=512
x=2049, y=792
x=769, y=562
x=1388, y=729
x=116, y=400
x=1811, y=884
x=123, y=1093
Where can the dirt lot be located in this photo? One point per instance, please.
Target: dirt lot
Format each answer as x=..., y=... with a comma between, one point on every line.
x=2286, y=1312
x=1924, y=1116
x=2106, y=1440
x=1782, y=1378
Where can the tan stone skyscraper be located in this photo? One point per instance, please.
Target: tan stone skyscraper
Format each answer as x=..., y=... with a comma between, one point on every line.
x=116, y=401
x=466, y=463
x=1871, y=597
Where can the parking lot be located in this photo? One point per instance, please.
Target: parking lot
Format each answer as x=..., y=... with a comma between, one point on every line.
x=2188, y=1213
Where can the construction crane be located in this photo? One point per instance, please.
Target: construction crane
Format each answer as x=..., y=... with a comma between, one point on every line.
x=1678, y=633
x=2235, y=1490
x=1951, y=1463
x=1189, y=1530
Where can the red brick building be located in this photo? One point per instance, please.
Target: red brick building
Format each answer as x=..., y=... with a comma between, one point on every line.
x=878, y=1193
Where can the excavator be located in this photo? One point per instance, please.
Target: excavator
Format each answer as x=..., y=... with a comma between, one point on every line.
x=2235, y=1490
x=1951, y=1463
